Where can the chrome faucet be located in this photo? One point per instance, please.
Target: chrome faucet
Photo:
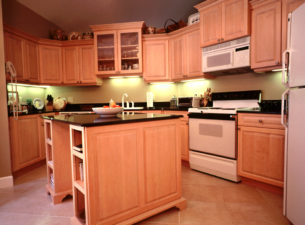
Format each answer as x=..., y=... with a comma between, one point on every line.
x=123, y=98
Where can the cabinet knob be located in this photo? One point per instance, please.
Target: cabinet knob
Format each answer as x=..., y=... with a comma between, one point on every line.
x=260, y=121
x=222, y=39
x=277, y=62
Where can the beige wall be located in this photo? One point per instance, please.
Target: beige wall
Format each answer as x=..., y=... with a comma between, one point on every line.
x=269, y=83
x=5, y=160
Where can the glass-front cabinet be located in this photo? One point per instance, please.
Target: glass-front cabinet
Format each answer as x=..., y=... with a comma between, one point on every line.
x=106, y=52
x=118, y=48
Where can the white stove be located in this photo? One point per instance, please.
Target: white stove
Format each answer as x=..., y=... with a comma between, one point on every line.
x=212, y=133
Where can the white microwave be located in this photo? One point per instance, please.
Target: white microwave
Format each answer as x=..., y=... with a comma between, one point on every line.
x=226, y=56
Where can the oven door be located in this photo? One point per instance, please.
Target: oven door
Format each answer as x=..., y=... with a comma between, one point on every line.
x=213, y=136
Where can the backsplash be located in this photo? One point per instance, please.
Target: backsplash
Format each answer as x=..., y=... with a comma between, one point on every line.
x=136, y=88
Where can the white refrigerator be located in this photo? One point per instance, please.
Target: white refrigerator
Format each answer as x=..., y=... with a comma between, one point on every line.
x=293, y=117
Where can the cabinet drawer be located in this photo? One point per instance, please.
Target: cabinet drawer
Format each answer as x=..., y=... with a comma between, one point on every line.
x=260, y=120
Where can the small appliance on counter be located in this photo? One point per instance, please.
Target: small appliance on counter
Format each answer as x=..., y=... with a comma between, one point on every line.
x=196, y=101
x=185, y=102
x=173, y=103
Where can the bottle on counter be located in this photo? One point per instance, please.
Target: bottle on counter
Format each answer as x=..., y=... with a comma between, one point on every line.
x=173, y=102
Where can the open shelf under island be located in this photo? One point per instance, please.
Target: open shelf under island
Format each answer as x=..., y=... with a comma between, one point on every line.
x=124, y=168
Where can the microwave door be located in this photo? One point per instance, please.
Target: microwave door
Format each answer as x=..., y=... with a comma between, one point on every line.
x=217, y=61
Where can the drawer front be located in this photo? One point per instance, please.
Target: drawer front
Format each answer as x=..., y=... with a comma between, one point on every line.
x=260, y=120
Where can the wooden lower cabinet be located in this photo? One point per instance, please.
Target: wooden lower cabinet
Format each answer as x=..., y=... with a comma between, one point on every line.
x=131, y=172
x=26, y=141
x=261, y=151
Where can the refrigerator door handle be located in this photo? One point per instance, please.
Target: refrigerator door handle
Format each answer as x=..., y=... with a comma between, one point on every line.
x=283, y=116
x=285, y=70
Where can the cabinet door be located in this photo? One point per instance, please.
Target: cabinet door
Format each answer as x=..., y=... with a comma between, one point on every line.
x=287, y=7
x=50, y=64
x=31, y=61
x=210, y=24
x=235, y=19
x=25, y=145
x=130, y=51
x=184, y=136
x=106, y=52
x=266, y=35
x=41, y=138
x=70, y=65
x=86, y=64
x=261, y=154
x=177, y=57
x=193, y=54
x=13, y=52
x=155, y=60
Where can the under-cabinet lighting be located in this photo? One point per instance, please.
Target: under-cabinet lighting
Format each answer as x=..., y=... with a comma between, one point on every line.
x=30, y=85
x=279, y=70
x=193, y=80
x=120, y=77
x=161, y=83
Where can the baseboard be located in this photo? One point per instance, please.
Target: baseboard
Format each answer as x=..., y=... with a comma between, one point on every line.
x=6, y=182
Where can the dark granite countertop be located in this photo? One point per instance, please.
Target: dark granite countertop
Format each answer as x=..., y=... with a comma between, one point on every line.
x=88, y=120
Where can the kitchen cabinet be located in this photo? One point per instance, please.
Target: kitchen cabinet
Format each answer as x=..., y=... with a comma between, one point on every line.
x=13, y=52
x=125, y=183
x=118, y=48
x=26, y=141
x=261, y=139
x=78, y=66
x=266, y=34
x=222, y=20
x=193, y=54
x=185, y=53
x=58, y=157
x=177, y=49
x=31, y=62
x=50, y=64
x=155, y=58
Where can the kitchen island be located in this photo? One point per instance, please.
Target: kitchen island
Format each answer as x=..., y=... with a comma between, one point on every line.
x=124, y=168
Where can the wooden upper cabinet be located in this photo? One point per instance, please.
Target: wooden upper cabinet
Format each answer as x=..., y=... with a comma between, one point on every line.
x=118, y=48
x=266, y=34
x=86, y=64
x=155, y=60
x=287, y=7
x=177, y=57
x=105, y=43
x=70, y=65
x=235, y=19
x=50, y=64
x=31, y=61
x=223, y=20
x=193, y=54
x=13, y=52
x=210, y=25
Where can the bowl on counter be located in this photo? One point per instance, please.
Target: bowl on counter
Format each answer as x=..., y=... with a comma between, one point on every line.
x=107, y=112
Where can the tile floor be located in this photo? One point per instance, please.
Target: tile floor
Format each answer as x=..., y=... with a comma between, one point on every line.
x=211, y=201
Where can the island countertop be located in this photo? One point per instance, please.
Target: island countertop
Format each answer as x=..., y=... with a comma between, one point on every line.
x=89, y=120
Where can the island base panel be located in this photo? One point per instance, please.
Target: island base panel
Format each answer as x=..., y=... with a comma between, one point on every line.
x=57, y=197
x=180, y=204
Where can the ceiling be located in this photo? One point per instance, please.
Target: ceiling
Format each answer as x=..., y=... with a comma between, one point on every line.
x=77, y=15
